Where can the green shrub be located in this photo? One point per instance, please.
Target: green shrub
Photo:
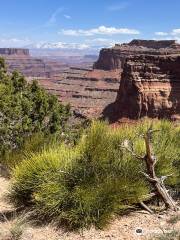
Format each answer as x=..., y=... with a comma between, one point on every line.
x=171, y=235
x=25, y=109
x=87, y=184
x=32, y=144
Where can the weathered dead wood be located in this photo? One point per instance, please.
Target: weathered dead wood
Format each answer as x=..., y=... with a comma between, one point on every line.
x=143, y=205
x=150, y=161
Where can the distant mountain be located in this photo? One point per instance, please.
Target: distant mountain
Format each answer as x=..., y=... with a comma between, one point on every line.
x=40, y=52
x=62, y=49
x=59, y=45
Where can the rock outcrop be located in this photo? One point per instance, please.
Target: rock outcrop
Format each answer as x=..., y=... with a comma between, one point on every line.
x=112, y=58
x=88, y=91
x=21, y=60
x=132, y=80
x=150, y=82
x=115, y=57
x=14, y=51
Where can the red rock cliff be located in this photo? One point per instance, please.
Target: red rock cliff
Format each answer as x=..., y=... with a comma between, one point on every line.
x=14, y=51
x=150, y=83
x=115, y=57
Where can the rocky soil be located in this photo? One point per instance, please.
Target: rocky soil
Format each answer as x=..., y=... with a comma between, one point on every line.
x=134, y=226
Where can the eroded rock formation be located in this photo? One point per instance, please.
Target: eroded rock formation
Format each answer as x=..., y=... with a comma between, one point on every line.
x=14, y=51
x=148, y=73
x=150, y=82
x=115, y=57
x=88, y=91
x=21, y=60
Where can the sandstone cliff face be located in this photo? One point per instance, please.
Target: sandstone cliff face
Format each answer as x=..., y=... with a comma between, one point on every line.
x=14, y=51
x=154, y=44
x=150, y=86
x=88, y=91
x=20, y=59
x=150, y=83
x=115, y=57
x=28, y=66
x=109, y=59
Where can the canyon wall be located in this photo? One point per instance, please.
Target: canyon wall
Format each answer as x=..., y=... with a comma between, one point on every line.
x=21, y=60
x=141, y=78
x=14, y=51
x=150, y=83
x=88, y=91
x=115, y=57
x=109, y=59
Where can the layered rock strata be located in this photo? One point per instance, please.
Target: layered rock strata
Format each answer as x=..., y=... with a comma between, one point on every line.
x=115, y=57
x=88, y=91
x=14, y=51
x=150, y=83
x=20, y=59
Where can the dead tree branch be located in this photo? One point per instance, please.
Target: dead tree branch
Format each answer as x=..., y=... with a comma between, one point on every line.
x=150, y=161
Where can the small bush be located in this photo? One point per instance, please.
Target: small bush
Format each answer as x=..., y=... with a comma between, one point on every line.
x=174, y=219
x=87, y=184
x=172, y=235
x=18, y=227
x=25, y=109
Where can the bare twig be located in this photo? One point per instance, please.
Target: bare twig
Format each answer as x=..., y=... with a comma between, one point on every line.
x=126, y=146
x=143, y=205
x=150, y=160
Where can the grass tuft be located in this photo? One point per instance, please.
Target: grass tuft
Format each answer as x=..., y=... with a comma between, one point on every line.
x=87, y=184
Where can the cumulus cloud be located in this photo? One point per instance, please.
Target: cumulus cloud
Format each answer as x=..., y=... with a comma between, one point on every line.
x=161, y=33
x=175, y=32
x=101, y=30
x=14, y=42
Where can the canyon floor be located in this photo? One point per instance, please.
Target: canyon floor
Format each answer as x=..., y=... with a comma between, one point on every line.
x=87, y=91
x=16, y=227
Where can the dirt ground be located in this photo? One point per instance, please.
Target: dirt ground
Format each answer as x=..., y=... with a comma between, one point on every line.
x=138, y=225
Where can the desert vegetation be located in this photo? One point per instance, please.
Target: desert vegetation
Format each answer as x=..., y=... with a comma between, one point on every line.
x=26, y=110
x=89, y=183
x=82, y=176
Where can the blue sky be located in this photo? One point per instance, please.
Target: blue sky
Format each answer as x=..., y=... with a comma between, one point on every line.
x=87, y=22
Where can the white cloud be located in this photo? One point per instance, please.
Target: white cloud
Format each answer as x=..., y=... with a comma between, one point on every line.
x=161, y=33
x=70, y=32
x=175, y=32
x=102, y=30
x=101, y=42
x=67, y=16
x=60, y=45
x=177, y=39
x=53, y=18
x=14, y=42
x=118, y=7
